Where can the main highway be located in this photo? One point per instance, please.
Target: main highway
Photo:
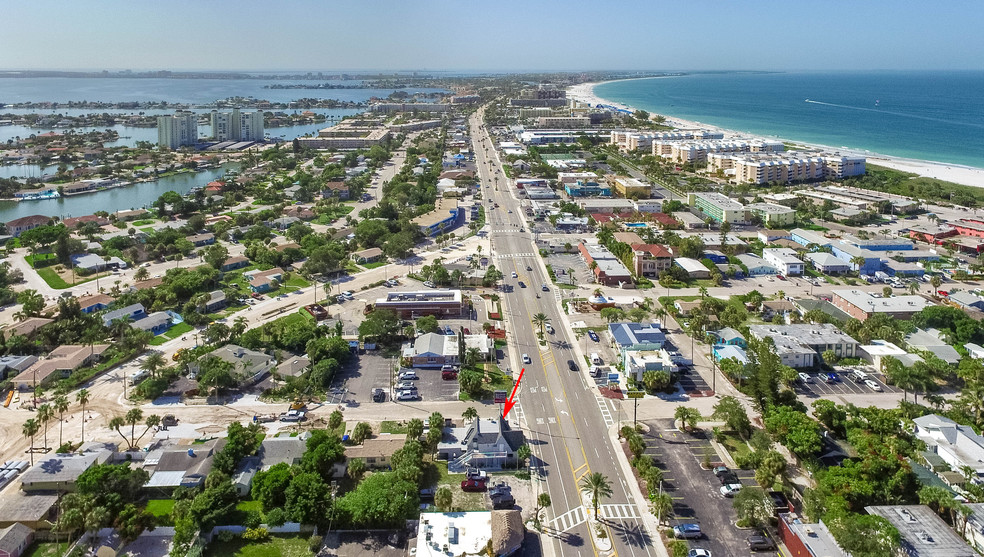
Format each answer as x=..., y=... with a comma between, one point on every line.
x=568, y=424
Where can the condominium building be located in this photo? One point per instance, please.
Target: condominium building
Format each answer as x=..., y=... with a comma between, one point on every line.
x=563, y=122
x=718, y=207
x=234, y=125
x=643, y=141
x=772, y=214
x=389, y=108
x=785, y=260
x=763, y=168
x=177, y=130
x=691, y=151
x=349, y=134
x=800, y=345
x=842, y=166
x=629, y=187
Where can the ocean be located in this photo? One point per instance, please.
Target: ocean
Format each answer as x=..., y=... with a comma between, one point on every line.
x=933, y=116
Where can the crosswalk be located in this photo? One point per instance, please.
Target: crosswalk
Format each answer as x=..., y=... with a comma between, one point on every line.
x=569, y=520
x=606, y=412
x=513, y=255
x=614, y=512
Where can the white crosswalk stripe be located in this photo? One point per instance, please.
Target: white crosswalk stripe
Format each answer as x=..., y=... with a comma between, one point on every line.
x=513, y=255
x=619, y=511
x=568, y=520
x=606, y=412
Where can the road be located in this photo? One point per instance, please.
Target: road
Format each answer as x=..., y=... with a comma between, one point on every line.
x=560, y=410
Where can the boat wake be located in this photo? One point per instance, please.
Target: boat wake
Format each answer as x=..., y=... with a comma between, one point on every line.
x=902, y=114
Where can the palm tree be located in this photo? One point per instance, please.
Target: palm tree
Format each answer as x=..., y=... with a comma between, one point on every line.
x=661, y=506
x=61, y=406
x=154, y=361
x=702, y=291
x=82, y=397
x=936, y=281
x=913, y=287
x=858, y=261
x=30, y=429
x=597, y=486
x=469, y=414
x=540, y=319
x=45, y=414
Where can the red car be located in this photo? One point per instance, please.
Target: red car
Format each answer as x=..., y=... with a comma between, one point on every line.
x=467, y=332
x=780, y=277
x=473, y=485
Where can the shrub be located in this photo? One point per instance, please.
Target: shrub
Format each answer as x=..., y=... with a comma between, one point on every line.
x=256, y=534
x=678, y=548
x=253, y=519
x=226, y=536
x=314, y=543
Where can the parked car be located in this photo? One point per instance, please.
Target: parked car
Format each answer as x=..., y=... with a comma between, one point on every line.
x=833, y=378
x=473, y=485
x=292, y=416
x=728, y=478
x=759, y=542
x=499, y=489
x=699, y=552
x=448, y=330
x=408, y=376
x=449, y=375
x=687, y=531
x=406, y=386
x=593, y=336
x=729, y=490
x=476, y=474
x=503, y=502
x=571, y=365
x=873, y=386
x=721, y=470
x=805, y=377
x=515, y=275
x=378, y=395
x=526, y=359
x=429, y=284
x=407, y=395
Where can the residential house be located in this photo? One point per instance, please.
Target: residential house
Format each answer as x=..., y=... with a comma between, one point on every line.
x=11, y=365
x=499, y=533
x=283, y=223
x=27, y=327
x=293, y=366
x=685, y=308
x=200, y=240
x=728, y=337
x=34, y=510
x=93, y=263
x=249, y=365
x=878, y=350
x=756, y=265
x=336, y=189
x=132, y=312
x=235, y=262
x=485, y=443
x=216, y=301
x=649, y=260
x=15, y=539
x=772, y=308
x=800, y=345
x=377, y=451
x=95, y=302
x=769, y=236
x=931, y=340
x=265, y=281
x=181, y=465
x=18, y=226
x=75, y=222
x=272, y=451
x=805, y=539
x=59, y=471
x=966, y=300
x=827, y=263
x=958, y=445
x=432, y=350
x=365, y=256
x=695, y=269
x=59, y=363
x=157, y=323
x=723, y=352
x=975, y=351
x=300, y=212
x=974, y=530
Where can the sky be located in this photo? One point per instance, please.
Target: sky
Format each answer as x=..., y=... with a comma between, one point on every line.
x=497, y=35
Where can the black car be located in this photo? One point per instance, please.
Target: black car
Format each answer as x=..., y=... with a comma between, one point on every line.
x=571, y=365
x=729, y=478
x=528, y=268
x=522, y=284
x=378, y=395
x=504, y=502
x=759, y=542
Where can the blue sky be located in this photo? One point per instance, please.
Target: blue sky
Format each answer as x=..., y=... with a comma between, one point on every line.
x=492, y=35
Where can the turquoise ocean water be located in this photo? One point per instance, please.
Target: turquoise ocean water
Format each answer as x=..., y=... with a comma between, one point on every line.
x=935, y=116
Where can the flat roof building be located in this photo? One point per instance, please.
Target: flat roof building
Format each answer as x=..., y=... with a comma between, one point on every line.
x=804, y=539
x=772, y=214
x=924, y=534
x=785, y=260
x=763, y=168
x=177, y=130
x=427, y=302
x=800, y=345
x=862, y=305
x=718, y=207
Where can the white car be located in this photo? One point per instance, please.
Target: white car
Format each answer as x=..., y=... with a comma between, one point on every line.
x=699, y=552
x=408, y=376
x=526, y=359
x=730, y=490
x=406, y=386
x=407, y=395
x=549, y=328
x=429, y=284
x=515, y=275
x=805, y=377
x=873, y=386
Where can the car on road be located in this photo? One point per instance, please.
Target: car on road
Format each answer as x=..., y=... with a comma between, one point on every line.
x=522, y=284
x=759, y=542
x=429, y=284
x=292, y=416
x=549, y=328
x=699, y=552
x=593, y=336
x=515, y=274
x=473, y=485
x=873, y=386
x=408, y=376
x=571, y=365
x=687, y=531
x=526, y=359
x=378, y=395
x=544, y=287
x=730, y=490
x=407, y=395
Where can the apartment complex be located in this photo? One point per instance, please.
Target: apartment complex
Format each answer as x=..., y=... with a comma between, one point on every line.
x=859, y=199
x=629, y=187
x=349, y=134
x=234, y=125
x=772, y=215
x=842, y=166
x=695, y=151
x=800, y=345
x=443, y=217
x=784, y=260
x=563, y=122
x=389, y=108
x=862, y=305
x=643, y=141
x=177, y=130
x=763, y=168
x=718, y=207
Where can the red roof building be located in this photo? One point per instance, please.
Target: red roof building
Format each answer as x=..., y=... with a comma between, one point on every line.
x=648, y=260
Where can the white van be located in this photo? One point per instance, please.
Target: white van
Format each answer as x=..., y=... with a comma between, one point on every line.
x=595, y=358
x=859, y=376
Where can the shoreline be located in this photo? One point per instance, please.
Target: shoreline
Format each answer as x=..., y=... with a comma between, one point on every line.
x=956, y=173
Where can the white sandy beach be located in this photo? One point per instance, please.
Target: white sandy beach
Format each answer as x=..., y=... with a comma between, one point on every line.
x=959, y=174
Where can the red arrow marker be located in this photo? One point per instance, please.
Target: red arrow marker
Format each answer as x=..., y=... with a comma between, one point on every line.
x=510, y=403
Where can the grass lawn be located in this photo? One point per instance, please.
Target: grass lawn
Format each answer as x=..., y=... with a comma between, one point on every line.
x=389, y=426
x=33, y=260
x=247, y=506
x=374, y=265
x=499, y=381
x=46, y=549
x=161, y=509
x=51, y=277
x=177, y=330
x=351, y=268
x=275, y=546
x=738, y=448
x=142, y=222
x=158, y=340
x=436, y=475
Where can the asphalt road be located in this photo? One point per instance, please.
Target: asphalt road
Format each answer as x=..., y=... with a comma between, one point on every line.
x=560, y=410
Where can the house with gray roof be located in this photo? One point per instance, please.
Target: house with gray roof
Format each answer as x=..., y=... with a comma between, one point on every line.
x=636, y=336
x=958, y=445
x=827, y=263
x=15, y=539
x=248, y=365
x=931, y=340
x=92, y=262
x=484, y=443
x=35, y=510
x=432, y=350
x=58, y=472
x=967, y=300
x=131, y=312
x=800, y=345
x=181, y=465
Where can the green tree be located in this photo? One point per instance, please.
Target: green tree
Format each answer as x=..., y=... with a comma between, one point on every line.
x=612, y=314
x=360, y=433
x=435, y=425
x=61, y=406
x=542, y=502
x=45, y=414
x=688, y=417
x=752, y=506
x=730, y=410
x=469, y=414
x=655, y=379
x=269, y=486
x=308, y=499
x=830, y=357
x=82, y=397
x=381, y=500
x=661, y=505
x=29, y=430
x=216, y=255
x=415, y=428
x=597, y=486
x=523, y=453
x=31, y=301
x=356, y=468
x=131, y=522
x=335, y=419
x=444, y=499
x=771, y=469
x=795, y=430
x=540, y=319
x=427, y=324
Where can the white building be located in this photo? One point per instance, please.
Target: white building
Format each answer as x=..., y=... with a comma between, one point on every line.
x=785, y=260
x=235, y=125
x=177, y=130
x=470, y=533
x=956, y=444
x=800, y=345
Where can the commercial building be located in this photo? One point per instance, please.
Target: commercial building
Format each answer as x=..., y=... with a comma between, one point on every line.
x=608, y=269
x=785, y=260
x=718, y=207
x=800, y=345
x=428, y=302
x=546, y=137
x=636, y=336
x=804, y=539
x=649, y=260
x=587, y=188
x=629, y=187
x=862, y=305
x=613, y=205
x=235, y=125
x=499, y=533
x=564, y=122
x=771, y=214
x=443, y=217
x=924, y=534
x=177, y=130
x=876, y=352
x=432, y=350
x=756, y=265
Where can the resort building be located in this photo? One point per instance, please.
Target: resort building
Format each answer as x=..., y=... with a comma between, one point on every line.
x=390, y=108
x=785, y=260
x=177, y=130
x=771, y=214
x=563, y=122
x=862, y=305
x=354, y=133
x=718, y=207
x=763, y=168
x=698, y=151
x=642, y=141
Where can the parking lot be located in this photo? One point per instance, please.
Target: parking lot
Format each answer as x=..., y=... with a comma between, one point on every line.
x=844, y=384
x=562, y=263
x=695, y=491
x=354, y=382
